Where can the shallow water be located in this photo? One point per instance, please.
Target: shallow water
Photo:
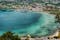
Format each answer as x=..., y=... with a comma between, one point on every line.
x=27, y=23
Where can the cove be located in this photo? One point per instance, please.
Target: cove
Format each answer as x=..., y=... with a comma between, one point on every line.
x=23, y=23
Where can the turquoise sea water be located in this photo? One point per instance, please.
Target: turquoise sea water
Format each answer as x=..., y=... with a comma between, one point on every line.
x=23, y=23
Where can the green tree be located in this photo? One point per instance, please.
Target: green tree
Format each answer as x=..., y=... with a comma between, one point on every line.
x=16, y=37
x=9, y=36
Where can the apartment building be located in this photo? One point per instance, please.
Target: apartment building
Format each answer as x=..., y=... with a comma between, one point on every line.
x=51, y=1
x=46, y=1
x=7, y=0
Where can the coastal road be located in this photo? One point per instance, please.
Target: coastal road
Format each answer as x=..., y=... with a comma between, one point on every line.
x=40, y=39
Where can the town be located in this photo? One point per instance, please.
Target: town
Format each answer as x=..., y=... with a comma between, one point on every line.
x=48, y=6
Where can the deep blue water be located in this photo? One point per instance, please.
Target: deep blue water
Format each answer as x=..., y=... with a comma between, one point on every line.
x=27, y=22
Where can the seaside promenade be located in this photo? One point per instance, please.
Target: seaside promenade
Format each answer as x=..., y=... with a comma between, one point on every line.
x=55, y=36
x=40, y=39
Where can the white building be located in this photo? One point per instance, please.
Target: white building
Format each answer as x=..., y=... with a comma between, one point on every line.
x=7, y=0
x=22, y=0
x=55, y=1
x=52, y=1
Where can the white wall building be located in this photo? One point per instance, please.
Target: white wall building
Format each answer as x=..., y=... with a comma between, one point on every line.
x=55, y=1
x=46, y=1
x=7, y=0
x=52, y=1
